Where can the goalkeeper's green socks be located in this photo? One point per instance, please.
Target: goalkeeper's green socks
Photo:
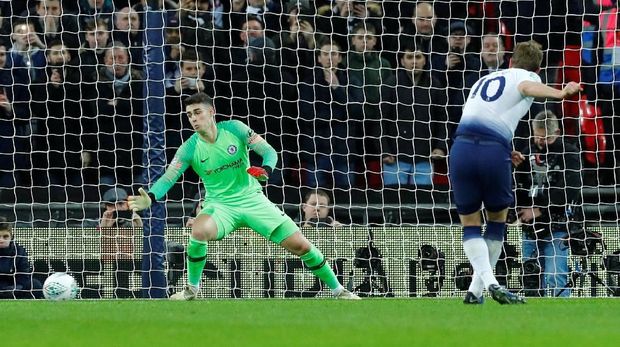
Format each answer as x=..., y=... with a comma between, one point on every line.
x=316, y=262
x=196, y=260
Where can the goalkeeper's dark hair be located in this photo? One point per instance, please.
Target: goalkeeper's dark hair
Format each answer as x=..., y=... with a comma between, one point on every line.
x=199, y=98
x=5, y=225
x=527, y=56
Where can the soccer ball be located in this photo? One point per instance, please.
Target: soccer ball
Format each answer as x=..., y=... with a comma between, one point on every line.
x=60, y=286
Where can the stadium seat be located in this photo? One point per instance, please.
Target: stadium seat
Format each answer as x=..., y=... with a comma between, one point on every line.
x=593, y=132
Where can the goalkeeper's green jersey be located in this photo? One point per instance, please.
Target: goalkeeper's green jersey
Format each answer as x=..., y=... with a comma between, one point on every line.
x=221, y=165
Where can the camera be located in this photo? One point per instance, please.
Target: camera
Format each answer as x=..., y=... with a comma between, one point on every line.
x=367, y=257
x=434, y=261
x=532, y=278
x=584, y=242
x=612, y=262
x=463, y=274
x=191, y=82
x=375, y=281
x=431, y=259
x=320, y=222
x=122, y=215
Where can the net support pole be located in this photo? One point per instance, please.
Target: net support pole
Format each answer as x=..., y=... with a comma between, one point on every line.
x=154, y=283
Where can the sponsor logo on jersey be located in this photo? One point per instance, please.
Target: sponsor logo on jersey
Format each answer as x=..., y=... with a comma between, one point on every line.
x=232, y=149
x=232, y=165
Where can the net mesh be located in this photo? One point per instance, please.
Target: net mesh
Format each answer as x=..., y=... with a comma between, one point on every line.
x=359, y=98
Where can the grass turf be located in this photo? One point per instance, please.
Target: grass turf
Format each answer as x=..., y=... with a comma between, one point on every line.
x=270, y=322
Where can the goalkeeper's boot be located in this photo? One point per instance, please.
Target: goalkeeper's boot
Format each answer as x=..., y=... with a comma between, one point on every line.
x=188, y=293
x=347, y=295
x=471, y=299
x=503, y=296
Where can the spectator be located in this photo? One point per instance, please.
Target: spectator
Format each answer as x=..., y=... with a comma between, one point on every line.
x=233, y=60
x=316, y=210
x=329, y=116
x=423, y=31
x=51, y=23
x=119, y=118
x=457, y=69
x=15, y=112
x=172, y=51
x=414, y=122
x=60, y=136
x=340, y=18
x=216, y=9
x=259, y=95
x=8, y=12
x=266, y=11
x=191, y=77
x=127, y=31
x=548, y=192
x=90, y=10
x=188, y=79
x=366, y=65
x=250, y=28
x=16, y=280
x=493, y=54
x=298, y=43
x=90, y=56
x=197, y=32
x=28, y=50
x=116, y=213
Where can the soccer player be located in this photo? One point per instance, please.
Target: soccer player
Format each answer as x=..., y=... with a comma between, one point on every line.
x=218, y=153
x=480, y=161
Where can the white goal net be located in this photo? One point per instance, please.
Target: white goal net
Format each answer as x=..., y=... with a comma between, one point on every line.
x=360, y=99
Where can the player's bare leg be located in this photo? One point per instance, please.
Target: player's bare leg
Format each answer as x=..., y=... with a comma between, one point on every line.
x=316, y=262
x=203, y=230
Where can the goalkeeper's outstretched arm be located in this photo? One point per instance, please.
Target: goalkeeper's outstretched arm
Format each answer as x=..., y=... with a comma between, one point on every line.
x=162, y=185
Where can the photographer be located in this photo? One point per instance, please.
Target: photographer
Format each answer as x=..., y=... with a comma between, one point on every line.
x=548, y=186
x=316, y=209
x=116, y=212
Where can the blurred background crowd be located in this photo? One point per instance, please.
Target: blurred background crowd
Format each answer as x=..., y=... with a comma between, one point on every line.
x=354, y=95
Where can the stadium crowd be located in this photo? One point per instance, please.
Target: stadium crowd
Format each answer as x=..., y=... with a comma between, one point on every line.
x=352, y=94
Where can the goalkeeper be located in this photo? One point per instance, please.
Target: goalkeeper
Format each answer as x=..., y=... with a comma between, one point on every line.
x=218, y=153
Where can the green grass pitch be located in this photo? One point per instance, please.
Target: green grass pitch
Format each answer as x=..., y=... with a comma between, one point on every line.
x=271, y=322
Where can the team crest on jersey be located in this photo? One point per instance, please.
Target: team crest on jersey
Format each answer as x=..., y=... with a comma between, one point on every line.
x=232, y=149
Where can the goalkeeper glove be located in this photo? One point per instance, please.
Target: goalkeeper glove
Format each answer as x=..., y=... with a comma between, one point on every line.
x=260, y=173
x=140, y=202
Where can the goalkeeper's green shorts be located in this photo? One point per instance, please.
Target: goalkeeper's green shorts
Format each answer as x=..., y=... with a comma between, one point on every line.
x=256, y=213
